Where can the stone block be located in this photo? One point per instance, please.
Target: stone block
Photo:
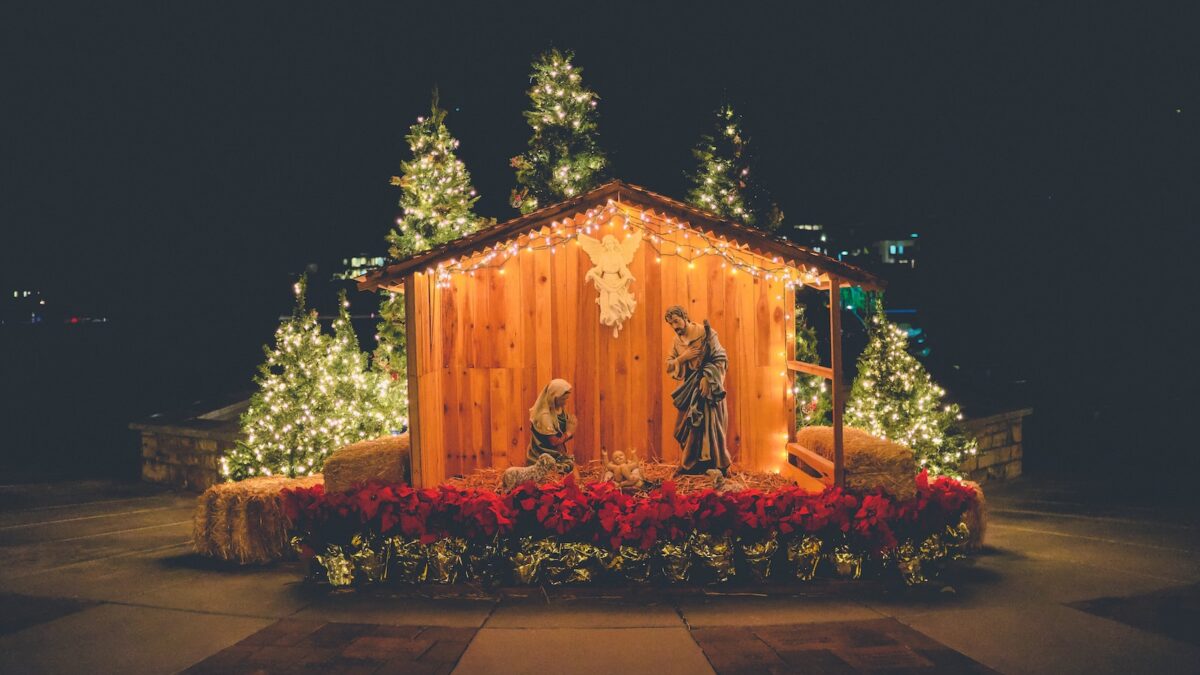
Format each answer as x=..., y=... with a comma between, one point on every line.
x=1012, y=469
x=1016, y=430
x=1000, y=438
x=985, y=459
x=155, y=472
x=207, y=445
x=1017, y=451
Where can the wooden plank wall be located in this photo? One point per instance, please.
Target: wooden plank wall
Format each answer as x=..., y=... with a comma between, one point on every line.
x=488, y=343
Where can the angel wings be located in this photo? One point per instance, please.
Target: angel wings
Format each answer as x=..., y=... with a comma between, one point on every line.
x=611, y=277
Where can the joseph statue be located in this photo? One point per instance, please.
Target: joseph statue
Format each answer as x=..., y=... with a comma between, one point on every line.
x=698, y=359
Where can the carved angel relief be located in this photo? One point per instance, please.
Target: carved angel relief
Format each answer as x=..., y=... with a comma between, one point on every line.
x=611, y=276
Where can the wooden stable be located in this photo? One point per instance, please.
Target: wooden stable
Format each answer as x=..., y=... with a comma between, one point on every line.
x=494, y=316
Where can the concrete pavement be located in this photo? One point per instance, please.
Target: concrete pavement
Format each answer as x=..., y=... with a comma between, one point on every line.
x=98, y=578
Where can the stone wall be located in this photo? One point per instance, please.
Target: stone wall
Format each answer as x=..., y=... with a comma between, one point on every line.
x=182, y=457
x=183, y=449
x=1000, y=453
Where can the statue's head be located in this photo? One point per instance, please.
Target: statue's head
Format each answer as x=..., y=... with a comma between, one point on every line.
x=546, y=460
x=677, y=318
x=609, y=242
x=618, y=457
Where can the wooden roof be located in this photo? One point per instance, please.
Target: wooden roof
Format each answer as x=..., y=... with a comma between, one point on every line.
x=619, y=191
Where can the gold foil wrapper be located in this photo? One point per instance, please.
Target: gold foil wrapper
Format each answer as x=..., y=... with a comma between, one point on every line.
x=846, y=563
x=580, y=563
x=804, y=554
x=716, y=555
x=339, y=571
x=369, y=558
x=446, y=559
x=758, y=556
x=676, y=561
x=488, y=562
x=933, y=549
x=297, y=544
x=908, y=561
x=408, y=560
x=632, y=563
x=535, y=560
x=956, y=538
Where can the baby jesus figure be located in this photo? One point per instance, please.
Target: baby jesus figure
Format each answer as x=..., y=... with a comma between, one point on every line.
x=624, y=474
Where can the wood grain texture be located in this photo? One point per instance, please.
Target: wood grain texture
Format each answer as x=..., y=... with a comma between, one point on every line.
x=485, y=346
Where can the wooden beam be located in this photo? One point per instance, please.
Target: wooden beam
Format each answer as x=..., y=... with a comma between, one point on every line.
x=816, y=462
x=811, y=369
x=835, y=354
x=416, y=463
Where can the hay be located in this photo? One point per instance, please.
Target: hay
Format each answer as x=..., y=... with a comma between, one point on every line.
x=870, y=462
x=976, y=519
x=655, y=473
x=383, y=459
x=243, y=522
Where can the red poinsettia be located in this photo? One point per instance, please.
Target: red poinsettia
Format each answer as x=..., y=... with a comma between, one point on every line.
x=603, y=514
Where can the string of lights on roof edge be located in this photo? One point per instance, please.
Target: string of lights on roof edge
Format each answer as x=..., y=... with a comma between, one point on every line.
x=635, y=218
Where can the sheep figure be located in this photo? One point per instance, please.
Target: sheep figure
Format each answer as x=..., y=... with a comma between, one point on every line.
x=515, y=475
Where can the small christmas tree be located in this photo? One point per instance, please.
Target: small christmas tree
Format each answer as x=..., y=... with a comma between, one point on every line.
x=564, y=159
x=314, y=396
x=437, y=201
x=436, y=193
x=813, y=403
x=893, y=397
x=722, y=183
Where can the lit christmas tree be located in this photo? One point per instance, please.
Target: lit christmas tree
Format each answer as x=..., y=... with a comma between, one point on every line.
x=813, y=403
x=436, y=201
x=314, y=395
x=894, y=398
x=436, y=194
x=564, y=159
x=722, y=183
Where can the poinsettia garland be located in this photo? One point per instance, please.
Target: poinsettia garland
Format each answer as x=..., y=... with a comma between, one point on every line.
x=603, y=515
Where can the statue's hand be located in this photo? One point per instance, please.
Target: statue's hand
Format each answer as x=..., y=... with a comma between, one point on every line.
x=704, y=388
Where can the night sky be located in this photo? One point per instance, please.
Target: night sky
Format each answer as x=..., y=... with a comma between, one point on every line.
x=163, y=162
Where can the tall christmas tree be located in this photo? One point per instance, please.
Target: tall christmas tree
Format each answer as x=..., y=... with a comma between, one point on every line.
x=314, y=396
x=563, y=159
x=436, y=201
x=894, y=397
x=813, y=403
x=722, y=183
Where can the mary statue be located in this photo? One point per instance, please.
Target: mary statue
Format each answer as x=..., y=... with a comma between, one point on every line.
x=551, y=426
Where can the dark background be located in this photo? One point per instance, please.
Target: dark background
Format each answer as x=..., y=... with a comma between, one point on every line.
x=172, y=167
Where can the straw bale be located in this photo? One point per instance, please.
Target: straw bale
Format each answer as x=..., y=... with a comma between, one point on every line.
x=871, y=462
x=382, y=459
x=655, y=474
x=976, y=519
x=243, y=522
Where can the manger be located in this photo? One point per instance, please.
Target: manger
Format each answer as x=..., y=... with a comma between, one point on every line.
x=583, y=291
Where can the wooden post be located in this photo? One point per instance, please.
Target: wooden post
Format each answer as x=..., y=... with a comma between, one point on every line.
x=835, y=357
x=416, y=463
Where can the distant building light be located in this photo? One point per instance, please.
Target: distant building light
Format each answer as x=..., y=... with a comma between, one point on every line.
x=822, y=237
x=900, y=248
x=913, y=235
x=892, y=249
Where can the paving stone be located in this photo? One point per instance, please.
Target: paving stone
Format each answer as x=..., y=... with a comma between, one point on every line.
x=22, y=611
x=1174, y=612
x=815, y=661
x=663, y=651
x=385, y=648
x=283, y=632
x=445, y=651
x=122, y=639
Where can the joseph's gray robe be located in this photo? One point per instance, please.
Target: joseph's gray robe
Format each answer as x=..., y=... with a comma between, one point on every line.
x=701, y=420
